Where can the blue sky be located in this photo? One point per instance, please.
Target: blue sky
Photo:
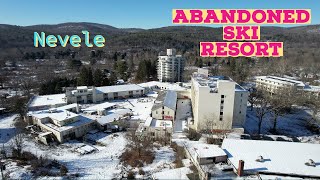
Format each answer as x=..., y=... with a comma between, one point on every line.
x=128, y=13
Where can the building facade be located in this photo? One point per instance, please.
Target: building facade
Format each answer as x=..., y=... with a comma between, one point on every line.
x=63, y=124
x=165, y=106
x=170, y=67
x=91, y=94
x=217, y=103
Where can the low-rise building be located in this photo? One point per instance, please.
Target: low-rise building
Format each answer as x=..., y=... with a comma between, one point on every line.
x=165, y=106
x=217, y=102
x=272, y=84
x=155, y=128
x=37, y=103
x=63, y=124
x=91, y=94
x=299, y=160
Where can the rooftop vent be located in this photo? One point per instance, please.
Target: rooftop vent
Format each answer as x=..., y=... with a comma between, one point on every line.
x=260, y=159
x=310, y=163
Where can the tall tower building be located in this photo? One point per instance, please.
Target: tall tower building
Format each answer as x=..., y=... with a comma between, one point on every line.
x=170, y=67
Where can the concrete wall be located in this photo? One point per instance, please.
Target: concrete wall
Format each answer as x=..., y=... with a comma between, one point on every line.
x=207, y=106
x=164, y=113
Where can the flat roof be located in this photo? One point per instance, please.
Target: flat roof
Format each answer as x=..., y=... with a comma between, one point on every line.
x=58, y=115
x=80, y=122
x=99, y=107
x=281, y=80
x=163, y=85
x=47, y=100
x=119, y=88
x=286, y=158
x=203, y=150
x=112, y=116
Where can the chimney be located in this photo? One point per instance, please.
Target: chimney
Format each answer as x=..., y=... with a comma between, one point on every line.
x=240, y=168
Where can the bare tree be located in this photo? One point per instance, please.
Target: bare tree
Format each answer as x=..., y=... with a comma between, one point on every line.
x=261, y=109
x=280, y=102
x=17, y=144
x=252, y=96
x=139, y=143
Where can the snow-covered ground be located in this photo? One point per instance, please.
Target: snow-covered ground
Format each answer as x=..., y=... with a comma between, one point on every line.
x=183, y=112
x=7, y=129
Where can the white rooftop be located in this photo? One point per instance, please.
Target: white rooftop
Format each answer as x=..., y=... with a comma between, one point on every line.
x=119, y=88
x=286, y=158
x=81, y=120
x=58, y=115
x=179, y=173
x=163, y=85
x=99, y=107
x=47, y=100
x=282, y=80
x=113, y=115
x=150, y=122
x=203, y=150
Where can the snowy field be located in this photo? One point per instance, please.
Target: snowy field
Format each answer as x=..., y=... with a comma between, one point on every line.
x=291, y=125
x=7, y=129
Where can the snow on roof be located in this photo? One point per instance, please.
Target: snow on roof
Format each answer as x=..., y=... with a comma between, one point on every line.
x=67, y=107
x=179, y=173
x=119, y=88
x=47, y=100
x=287, y=158
x=163, y=85
x=81, y=120
x=150, y=122
x=281, y=80
x=2, y=109
x=99, y=107
x=58, y=115
x=113, y=115
x=203, y=150
x=82, y=87
x=168, y=99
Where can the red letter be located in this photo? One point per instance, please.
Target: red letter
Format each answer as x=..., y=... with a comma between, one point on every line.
x=211, y=14
x=255, y=14
x=196, y=16
x=299, y=16
x=262, y=49
x=275, y=46
x=180, y=15
x=241, y=19
x=234, y=49
x=228, y=33
x=227, y=15
x=220, y=49
x=242, y=31
x=243, y=49
x=206, y=49
x=288, y=16
x=274, y=17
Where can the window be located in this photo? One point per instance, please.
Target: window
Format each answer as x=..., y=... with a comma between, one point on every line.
x=239, y=112
x=241, y=95
x=221, y=118
x=222, y=96
x=221, y=113
x=156, y=112
x=168, y=112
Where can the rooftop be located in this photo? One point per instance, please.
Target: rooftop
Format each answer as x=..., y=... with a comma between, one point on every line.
x=99, y=107
x=212, y=81
x=166, y=98
x=286, y=158
x=282, y=80
x=47, y=100
x=113, y=115
x=80, y=121
x=119, y=88
x=58, y=115
x=150, y=122
x=203, y=150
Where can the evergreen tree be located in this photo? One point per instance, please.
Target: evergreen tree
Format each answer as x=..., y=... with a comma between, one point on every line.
x=97, y=78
